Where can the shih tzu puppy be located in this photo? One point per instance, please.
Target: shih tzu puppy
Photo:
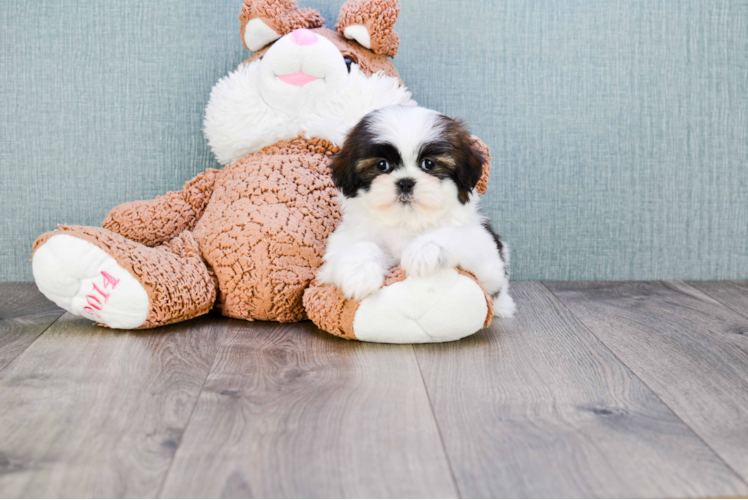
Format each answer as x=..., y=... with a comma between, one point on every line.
x=407, y=177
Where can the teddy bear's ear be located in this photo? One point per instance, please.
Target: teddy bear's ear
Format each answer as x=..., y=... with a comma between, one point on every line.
x=264, y=21
x=482, y=185
x=371, y=23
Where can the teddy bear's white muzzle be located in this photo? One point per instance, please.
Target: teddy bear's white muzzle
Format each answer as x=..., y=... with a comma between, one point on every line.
x=299, y=69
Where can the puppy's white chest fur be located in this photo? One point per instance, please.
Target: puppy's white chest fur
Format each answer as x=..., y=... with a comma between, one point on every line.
x=396, y=229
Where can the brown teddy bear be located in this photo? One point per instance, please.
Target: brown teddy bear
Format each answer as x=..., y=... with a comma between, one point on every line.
x=247, y=240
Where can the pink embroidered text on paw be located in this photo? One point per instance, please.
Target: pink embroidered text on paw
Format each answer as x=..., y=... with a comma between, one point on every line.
x=94, y=303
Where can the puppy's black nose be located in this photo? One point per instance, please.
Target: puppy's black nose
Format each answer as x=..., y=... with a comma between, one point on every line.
x=406, y=185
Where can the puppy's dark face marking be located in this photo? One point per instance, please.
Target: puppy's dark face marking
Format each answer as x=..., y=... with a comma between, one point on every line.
x=453, y=156
x=448, y=154
x=362, y=159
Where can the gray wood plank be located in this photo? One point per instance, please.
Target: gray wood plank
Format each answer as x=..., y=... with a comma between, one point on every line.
x=733, y=294
x=289, y=411
x=24, y=314
x=536, y=406
x=91, y=412
x=690, y=349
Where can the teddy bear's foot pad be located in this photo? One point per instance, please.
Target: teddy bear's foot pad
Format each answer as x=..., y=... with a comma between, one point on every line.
x=440, y=308
x=83, y=279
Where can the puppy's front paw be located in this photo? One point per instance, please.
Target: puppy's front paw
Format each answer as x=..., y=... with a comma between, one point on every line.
x=362, y=280
x=423, y=258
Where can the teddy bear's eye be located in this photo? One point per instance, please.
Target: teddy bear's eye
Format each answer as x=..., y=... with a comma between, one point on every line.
x=348, y=62
x=383, y=166
x=427, y=164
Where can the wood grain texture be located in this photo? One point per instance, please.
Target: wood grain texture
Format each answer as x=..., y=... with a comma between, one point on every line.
x=24, y=314
x=733, y=294
x=91, y=412
x=690, y=349
x=289, y=411
x=538, y=407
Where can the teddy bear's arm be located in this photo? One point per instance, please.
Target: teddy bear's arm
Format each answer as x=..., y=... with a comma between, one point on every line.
x=154, y=222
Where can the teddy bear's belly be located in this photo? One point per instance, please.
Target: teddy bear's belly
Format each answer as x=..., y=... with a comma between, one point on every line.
x=264, y=232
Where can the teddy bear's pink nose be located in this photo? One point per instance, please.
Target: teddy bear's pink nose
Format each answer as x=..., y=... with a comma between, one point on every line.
x=304, y=37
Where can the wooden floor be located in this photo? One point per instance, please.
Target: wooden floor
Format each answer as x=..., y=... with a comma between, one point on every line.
x=592, y=390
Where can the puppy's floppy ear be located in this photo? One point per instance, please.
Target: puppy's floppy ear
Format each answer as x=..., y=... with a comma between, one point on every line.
x=470, y=169
x=343, y=166
x=344, y=172
x=469, y=157
x=264, y=21
x=371, y=23
x=482, y=185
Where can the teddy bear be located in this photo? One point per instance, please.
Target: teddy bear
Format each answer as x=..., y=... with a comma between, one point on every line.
x=246, y=240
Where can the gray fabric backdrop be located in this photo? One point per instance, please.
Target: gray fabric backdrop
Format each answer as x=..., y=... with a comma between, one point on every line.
x=619, y=129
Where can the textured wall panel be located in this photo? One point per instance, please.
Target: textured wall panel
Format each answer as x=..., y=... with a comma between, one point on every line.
x=619, y=129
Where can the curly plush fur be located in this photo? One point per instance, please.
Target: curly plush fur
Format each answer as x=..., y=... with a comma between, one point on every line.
x=378, y=17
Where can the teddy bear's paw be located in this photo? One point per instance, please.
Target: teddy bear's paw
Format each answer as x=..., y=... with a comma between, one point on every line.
x=83, y=279
x=503, y=305
x=442, y=307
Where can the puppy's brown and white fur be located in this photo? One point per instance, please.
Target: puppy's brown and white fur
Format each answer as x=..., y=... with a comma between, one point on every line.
x=407, y=178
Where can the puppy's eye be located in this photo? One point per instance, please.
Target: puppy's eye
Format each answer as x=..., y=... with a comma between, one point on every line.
x=427, y=164
x=348, y=62
x=383, y=166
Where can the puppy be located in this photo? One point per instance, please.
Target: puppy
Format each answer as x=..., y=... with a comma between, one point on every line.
x=407, y=178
